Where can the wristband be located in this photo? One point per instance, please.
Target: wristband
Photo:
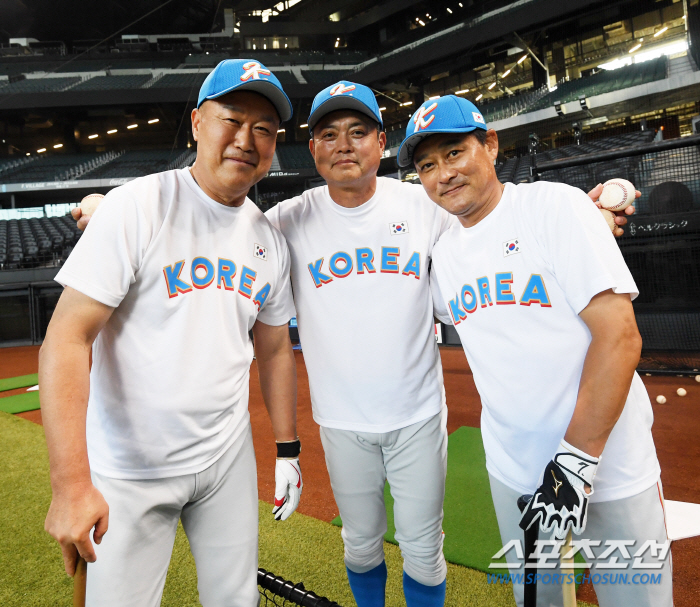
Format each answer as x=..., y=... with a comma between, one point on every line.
x=288, y=449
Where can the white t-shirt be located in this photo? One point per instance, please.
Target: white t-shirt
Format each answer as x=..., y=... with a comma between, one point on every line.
x=186, y=276
x=513, y=285
x=362, y=295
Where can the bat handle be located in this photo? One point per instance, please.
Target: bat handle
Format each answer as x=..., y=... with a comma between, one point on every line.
x=79, y=581
x=567, y=567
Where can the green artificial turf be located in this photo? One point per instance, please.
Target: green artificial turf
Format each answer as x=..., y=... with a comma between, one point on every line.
x=470, y=526
x=301, y=549
x=23, y=381
x=19, y=403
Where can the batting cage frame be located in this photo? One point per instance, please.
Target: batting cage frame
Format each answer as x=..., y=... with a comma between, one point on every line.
x=661, y=244
x=275, y=590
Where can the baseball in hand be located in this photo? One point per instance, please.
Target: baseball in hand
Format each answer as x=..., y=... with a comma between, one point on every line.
x=661, y=399
x=617, y=195
x=89, y=204
x=609, y=218
x=681, y=392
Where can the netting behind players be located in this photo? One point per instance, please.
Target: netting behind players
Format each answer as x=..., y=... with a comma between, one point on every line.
x=661, y=245
x=277, y=591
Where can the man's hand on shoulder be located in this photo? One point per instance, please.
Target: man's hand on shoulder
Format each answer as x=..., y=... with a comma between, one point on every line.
x=80, y=218
x=620, y=217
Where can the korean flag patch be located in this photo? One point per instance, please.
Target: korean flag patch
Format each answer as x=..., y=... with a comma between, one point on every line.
x=399, y=227
x=260, y=252
x=512, y=247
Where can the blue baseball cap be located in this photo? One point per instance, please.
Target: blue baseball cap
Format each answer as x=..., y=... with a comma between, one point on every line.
x=246, y=75
x=448, y=114
x=345, y=95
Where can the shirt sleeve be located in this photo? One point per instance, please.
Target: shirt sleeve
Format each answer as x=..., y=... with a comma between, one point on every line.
x=105, y=260
x=279, y=307
x=582, y=251
x=273, y=216
x=439, y=308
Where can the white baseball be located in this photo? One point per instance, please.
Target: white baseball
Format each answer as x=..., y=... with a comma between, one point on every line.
x=89, y=204
x=661, y=399
x=609, y=218
x=681, y=392
x=617, y=194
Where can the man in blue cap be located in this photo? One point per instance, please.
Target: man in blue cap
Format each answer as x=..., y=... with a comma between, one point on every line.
x=540, y=295
x=164, y=286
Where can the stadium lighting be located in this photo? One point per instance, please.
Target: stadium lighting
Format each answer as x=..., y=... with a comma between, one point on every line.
x=462, y=92
x=382, y=109
x=407, y=103
x=461, y=5
x=41, y=150
x=449, y=10
x=153, y=120
x=29, y=154
x=492, y=85
x=303, y=126
x=336, y=44
x=434, y=97
x=92, y=136
x=419, y=21
x=281, y=131
x=661, y=31
x=112, y=132
x=479, y=97
x=132, y=126
x=505, y=73
x=636, y=47
x=58, y=146
x=522, y=59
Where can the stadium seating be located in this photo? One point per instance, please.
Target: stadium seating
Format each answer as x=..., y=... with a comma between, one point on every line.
x=295, y=156
x=27, y=243
x=108, y=83
x=47, y=168
x=286, y=77
x=193, y=80
x=37, y=85
x=605, y=81
x=136, y=164
x=322, y=76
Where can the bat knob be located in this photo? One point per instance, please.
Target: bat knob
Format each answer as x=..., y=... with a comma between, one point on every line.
x=522, y=501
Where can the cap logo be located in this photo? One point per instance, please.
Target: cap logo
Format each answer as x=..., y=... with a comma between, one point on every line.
x=478, y=117
x=340, y=89
x=253, y=70
x=420, y=120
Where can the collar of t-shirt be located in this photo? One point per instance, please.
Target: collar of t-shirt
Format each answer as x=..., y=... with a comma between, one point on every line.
x=487, y=222
x=199, y=192
x=363, y=209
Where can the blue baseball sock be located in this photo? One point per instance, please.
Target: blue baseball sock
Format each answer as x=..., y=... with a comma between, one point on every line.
x=420, y=595
x=369, y=588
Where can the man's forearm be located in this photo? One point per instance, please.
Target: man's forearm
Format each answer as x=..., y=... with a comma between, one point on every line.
x=605, y=383
x=64, y=377
x=279, y=388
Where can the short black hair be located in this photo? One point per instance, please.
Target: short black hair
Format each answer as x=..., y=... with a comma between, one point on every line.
x=481, y=135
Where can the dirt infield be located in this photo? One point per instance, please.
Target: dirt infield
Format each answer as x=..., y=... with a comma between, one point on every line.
x=676, y=428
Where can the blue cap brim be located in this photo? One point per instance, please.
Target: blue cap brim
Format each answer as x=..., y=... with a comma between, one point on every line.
x=341, y=102
x=269, y=90
x=409, y=145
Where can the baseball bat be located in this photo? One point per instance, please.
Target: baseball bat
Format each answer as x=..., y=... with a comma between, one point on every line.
x=79, y=581
x=567, y=566
x=531, y=535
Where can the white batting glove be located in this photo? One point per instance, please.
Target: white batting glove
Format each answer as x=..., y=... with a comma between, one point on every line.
x=288, y=486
